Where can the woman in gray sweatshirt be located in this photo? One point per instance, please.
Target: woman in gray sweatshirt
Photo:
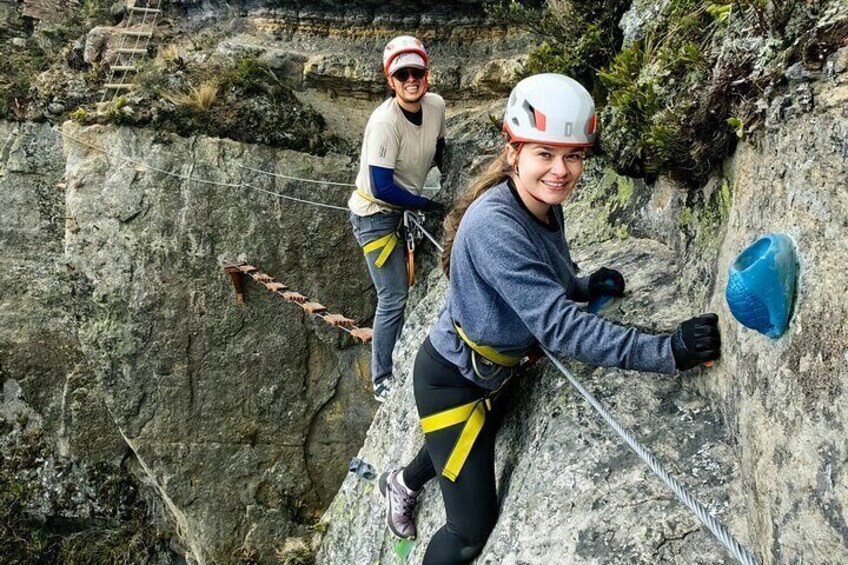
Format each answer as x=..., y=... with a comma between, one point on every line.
x=513, y=285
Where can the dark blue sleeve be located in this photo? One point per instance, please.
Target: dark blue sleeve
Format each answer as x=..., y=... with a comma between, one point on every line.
x=385, y=189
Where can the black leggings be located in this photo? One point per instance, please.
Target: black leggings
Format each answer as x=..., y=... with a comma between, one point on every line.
x=471, y=504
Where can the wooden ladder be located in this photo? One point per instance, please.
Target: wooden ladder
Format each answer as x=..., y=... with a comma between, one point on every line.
x=139, y=35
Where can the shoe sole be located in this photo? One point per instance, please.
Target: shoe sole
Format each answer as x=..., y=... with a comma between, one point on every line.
x=382, y=483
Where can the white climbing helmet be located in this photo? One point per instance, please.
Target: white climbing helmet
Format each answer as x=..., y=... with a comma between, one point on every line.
x=403, y=44
x=553, y=109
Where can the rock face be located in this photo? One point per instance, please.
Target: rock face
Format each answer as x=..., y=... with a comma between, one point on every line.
x=121, y=342
x=337, y=46
x=570, y=493
x=759, y=438
x=123, y=333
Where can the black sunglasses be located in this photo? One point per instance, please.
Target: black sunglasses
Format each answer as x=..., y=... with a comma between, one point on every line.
x=404, y=74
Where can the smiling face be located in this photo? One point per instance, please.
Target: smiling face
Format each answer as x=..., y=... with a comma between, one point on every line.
x=409, y=85
x=545, y=175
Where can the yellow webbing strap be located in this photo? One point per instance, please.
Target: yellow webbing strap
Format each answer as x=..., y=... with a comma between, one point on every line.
x=488, y=352
x=376, y=201
x=473, y=415
x=386, y=243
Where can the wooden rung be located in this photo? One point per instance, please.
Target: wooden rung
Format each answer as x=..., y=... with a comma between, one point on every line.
x=125, y=68
x=246, y=268
x=275, y=286
x=140, y=10
x=119, y=86
x=338, y=320
x=235, y=278
x=129, y=51
x=262, y=277
x=294, y=296
x=313, y=307
x=136, y=33
x=365, y=335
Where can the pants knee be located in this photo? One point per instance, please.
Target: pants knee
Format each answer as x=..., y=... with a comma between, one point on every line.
x=471, y=550
x=391, y=302
x=450, y=548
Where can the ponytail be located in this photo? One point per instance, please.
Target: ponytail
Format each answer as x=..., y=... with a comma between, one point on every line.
x=496, y=172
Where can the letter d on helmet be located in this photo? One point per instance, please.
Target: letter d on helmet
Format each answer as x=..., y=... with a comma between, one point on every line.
x=402, y=44
x=553, y=109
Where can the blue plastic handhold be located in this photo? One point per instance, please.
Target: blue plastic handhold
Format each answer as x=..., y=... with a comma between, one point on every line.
x=761, y=285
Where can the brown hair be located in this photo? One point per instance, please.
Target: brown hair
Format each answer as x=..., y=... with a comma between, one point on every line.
x=497, y=171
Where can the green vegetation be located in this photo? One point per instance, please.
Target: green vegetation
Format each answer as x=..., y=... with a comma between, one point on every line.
x=18, y=67
x=240, y=99
x=678, y=96
x=23, y=60
x=703, y=222
x=579, y=37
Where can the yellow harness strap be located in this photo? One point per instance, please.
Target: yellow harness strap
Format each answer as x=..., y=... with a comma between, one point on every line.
x=488, y=352
x=376, y=201
x=473, y=415
x=386, y=243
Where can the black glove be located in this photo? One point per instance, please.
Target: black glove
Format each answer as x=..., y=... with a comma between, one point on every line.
x=605, y=282
x=437, y=210
x=696, y=341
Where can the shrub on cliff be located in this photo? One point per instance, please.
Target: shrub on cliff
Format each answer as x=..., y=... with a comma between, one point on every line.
x=239, y=99
x=677, y=97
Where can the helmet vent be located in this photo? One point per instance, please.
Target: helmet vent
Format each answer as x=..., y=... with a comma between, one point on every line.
x=531, y=113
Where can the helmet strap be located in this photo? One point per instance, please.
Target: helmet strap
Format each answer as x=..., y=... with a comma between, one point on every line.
x=518, y=146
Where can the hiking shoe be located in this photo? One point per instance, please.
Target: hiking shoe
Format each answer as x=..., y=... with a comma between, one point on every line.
x=382, y=390
x=400, y=503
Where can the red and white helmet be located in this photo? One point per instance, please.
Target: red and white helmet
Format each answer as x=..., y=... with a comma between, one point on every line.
x=403, y=44
x=552, y=109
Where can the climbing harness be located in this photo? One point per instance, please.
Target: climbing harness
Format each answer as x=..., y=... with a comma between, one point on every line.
x=385, y=245
x=411, y=231
x=236, y=270
x=489, y=355
x=377, y=201
x=472, y=416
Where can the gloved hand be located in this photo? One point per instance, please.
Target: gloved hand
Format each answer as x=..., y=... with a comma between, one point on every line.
x=607, y=282
x=696, y=341
x=437, y=211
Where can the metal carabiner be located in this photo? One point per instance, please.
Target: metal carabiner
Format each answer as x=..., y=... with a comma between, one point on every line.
x=409, y=238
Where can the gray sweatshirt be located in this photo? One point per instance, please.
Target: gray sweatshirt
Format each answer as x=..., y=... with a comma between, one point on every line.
x=513, y=283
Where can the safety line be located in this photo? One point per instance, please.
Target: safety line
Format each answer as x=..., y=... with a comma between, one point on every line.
x=190, y=178
x=142, y=163
x=414, y=219
x=287, y=177
x=316, y=181
x=204, y=181
x=718, y=529
x=714, y=525
x=292, y=198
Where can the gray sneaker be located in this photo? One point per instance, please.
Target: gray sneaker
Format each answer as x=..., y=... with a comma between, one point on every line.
x=400, y=503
